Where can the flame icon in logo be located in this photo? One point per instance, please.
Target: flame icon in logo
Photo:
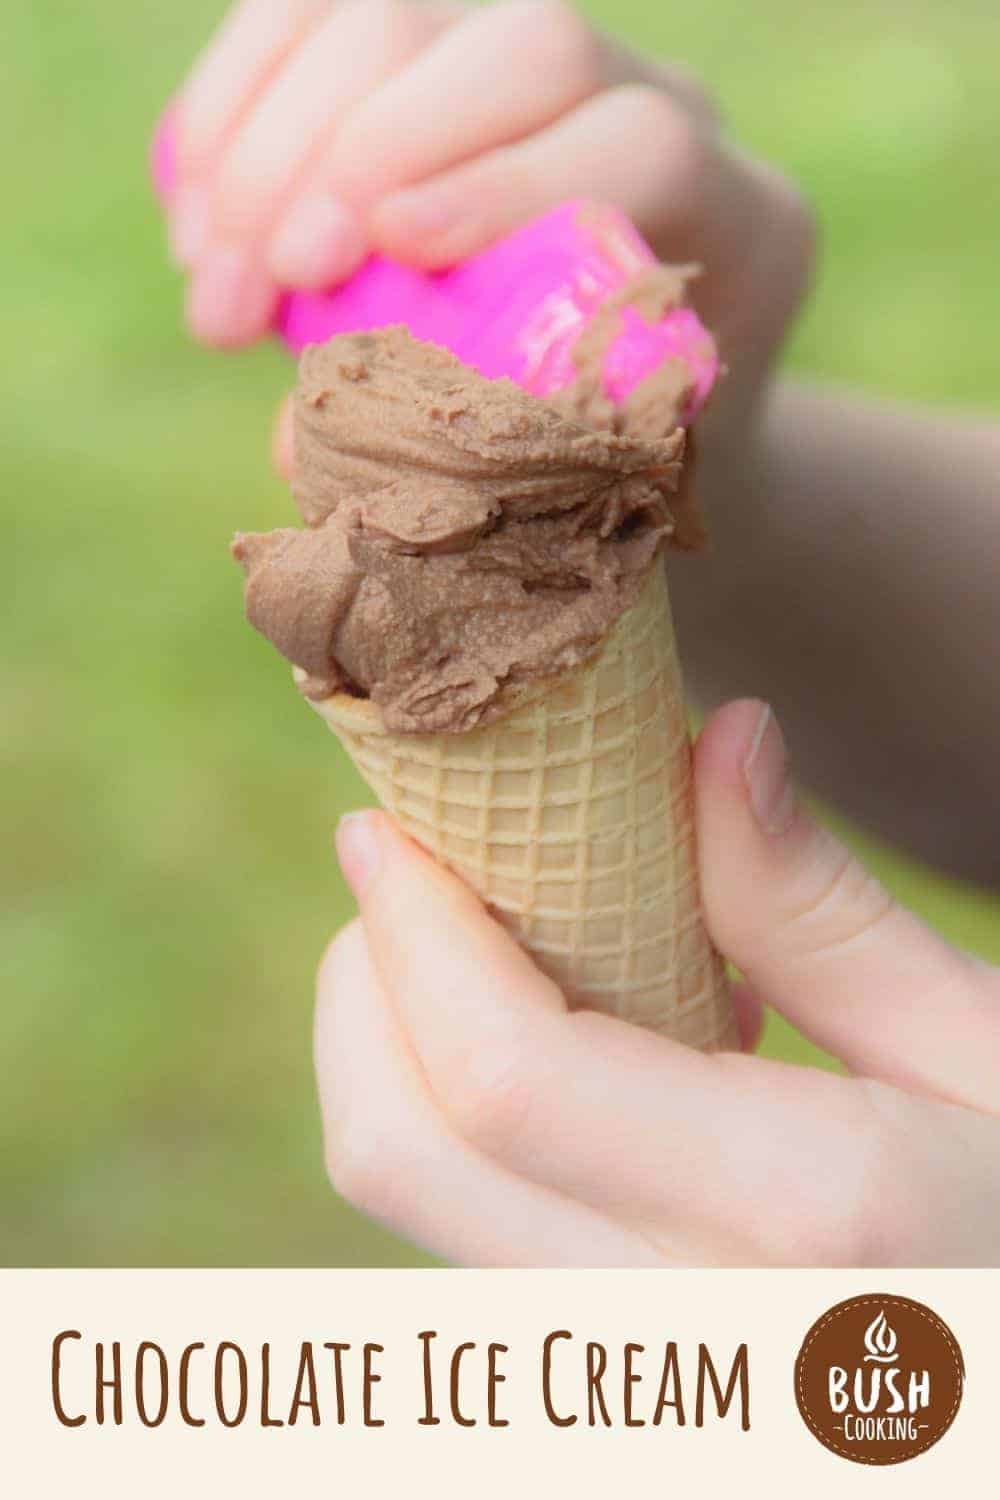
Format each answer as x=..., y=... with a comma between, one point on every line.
x=880, y=1341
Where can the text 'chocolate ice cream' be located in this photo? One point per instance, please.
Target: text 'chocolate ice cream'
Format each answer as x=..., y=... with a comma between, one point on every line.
x=462, y=536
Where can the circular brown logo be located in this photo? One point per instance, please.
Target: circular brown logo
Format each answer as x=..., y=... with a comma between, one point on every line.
x=879, y=1379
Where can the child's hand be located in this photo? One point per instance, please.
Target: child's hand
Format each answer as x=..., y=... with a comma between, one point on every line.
x=464, y=1107
x=311, y=132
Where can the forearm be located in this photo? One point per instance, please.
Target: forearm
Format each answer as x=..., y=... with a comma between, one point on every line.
x=855, y=583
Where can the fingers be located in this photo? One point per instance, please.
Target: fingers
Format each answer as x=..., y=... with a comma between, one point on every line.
x=501, y=72
x=397, y=137
x=247, y=48
x=361, y=43
x=635, y=146
x=598, y=1110
x=336, y=138
x=821, y=939
x=486, y=989
x=316, y=234
x=230, y=299
x=233, y=289
x=427, y=131
x=632, y=146
x=722, y=1160
x=244, y=54
x=391, y=1153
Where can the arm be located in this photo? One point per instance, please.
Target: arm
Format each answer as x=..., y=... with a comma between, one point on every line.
x=862, y=562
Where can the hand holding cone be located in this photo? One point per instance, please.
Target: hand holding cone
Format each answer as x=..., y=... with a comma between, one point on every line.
x=572, y=817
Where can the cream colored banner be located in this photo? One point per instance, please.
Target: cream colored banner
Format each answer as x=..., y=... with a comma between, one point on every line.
x=534, y=1383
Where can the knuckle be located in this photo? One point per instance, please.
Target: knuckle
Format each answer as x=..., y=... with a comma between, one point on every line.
x=395, y=29
x=657, y=123
x=492, y=1092
x=877, y=1211
x=858, y=1214
x=562, y=36
x=365, y=1169
x=238, y=204
x=837, y=902
x=660, y=118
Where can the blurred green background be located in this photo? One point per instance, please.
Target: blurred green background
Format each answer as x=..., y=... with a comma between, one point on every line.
x=167, y=805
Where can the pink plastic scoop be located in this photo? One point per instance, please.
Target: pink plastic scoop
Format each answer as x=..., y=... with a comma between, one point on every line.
x=515, y=309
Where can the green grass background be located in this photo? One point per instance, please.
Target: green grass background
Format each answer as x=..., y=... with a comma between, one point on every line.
x=167, y=806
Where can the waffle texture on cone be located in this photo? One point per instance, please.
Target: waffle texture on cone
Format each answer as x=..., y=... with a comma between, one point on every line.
x=572, y=817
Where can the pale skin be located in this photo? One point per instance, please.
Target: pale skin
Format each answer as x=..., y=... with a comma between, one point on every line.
x=857, y=547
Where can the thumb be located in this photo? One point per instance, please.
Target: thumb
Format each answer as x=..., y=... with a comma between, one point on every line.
x=819, y=937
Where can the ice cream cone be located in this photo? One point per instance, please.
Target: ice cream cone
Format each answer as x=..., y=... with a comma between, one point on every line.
x=572, y=817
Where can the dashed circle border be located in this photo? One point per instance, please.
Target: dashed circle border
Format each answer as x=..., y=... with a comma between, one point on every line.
x=883, y=1300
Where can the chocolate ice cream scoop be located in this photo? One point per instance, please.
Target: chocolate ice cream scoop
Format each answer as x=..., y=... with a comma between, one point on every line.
x=463, y=536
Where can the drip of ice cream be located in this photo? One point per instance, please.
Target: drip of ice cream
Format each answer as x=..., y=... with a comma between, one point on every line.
x=463, y=537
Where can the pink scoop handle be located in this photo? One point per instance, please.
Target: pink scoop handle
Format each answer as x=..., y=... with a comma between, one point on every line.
x=515, y=309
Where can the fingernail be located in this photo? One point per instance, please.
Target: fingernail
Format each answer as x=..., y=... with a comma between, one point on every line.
x=359, y=849
x=765, y=768
x=319, y=243
x=230, y=299
x=187, y=225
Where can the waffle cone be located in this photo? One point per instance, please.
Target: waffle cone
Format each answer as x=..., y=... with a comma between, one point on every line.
x=572, y=816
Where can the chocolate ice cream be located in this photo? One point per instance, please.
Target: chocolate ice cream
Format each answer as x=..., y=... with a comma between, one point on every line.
x=463, y=537
x=656, y=405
